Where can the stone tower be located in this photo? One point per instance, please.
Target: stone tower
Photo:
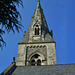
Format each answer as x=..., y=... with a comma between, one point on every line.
x=37, y=46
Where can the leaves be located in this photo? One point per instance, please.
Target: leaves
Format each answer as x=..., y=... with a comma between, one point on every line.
x=9, y=16
x=2, y=43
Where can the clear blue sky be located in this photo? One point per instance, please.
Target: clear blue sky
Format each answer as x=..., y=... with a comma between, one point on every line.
x=60, y=17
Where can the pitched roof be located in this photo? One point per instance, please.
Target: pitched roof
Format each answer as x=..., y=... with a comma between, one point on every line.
x=68, y=69
x=59, y=69
x=10, y=67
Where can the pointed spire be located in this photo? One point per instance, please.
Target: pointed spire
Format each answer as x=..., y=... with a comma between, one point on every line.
x=38, y=18
x=39, y=1
x=38, y=4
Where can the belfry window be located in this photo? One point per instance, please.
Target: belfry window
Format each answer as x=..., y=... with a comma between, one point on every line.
x=33, y=63
x=35, y=60
x=37, y=30
x=38, y=62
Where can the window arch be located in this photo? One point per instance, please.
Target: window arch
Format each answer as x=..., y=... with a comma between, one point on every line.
x=33, y=62
x=38, y=62
x=36, y=30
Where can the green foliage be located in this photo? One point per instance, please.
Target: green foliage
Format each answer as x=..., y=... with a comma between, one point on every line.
x=9, y=17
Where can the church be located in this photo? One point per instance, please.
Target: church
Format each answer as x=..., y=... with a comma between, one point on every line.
x=37, y=51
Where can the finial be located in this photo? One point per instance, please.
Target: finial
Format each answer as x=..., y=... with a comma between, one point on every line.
x=39, y=1
x=13, y=59
x=24, y=33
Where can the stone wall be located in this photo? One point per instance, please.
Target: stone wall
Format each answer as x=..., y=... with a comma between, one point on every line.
x=45, y=50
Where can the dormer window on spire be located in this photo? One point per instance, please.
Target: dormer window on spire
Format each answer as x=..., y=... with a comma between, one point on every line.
x=36, y=30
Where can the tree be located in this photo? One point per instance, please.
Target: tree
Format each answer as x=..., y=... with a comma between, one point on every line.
x=9, y=17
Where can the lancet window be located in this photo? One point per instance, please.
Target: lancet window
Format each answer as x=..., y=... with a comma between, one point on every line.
x=36, y=30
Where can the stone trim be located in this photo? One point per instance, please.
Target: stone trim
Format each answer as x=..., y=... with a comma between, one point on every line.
x=38, y=46
x=37, y=43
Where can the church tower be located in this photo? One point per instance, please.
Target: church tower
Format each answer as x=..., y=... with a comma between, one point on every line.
x=37, y=46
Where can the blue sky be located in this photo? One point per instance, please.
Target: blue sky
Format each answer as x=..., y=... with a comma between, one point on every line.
x=60, y=17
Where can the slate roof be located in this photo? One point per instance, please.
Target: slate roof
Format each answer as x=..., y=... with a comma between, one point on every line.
x=46, y=70
x=68, y=69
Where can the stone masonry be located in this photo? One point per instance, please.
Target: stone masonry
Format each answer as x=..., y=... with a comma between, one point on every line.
x=37, y=46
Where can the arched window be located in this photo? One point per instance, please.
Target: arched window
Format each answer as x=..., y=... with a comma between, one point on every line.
x=37, y=30
x=38, y=62
x=33, y=63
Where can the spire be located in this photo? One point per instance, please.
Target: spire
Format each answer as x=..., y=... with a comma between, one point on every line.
x=39, y=1
x=38, y=4
x=38, y=25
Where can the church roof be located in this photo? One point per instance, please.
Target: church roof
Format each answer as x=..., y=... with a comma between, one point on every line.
x=68, y=69
x=46, y=70
x=38, y=17
x=9, y=69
